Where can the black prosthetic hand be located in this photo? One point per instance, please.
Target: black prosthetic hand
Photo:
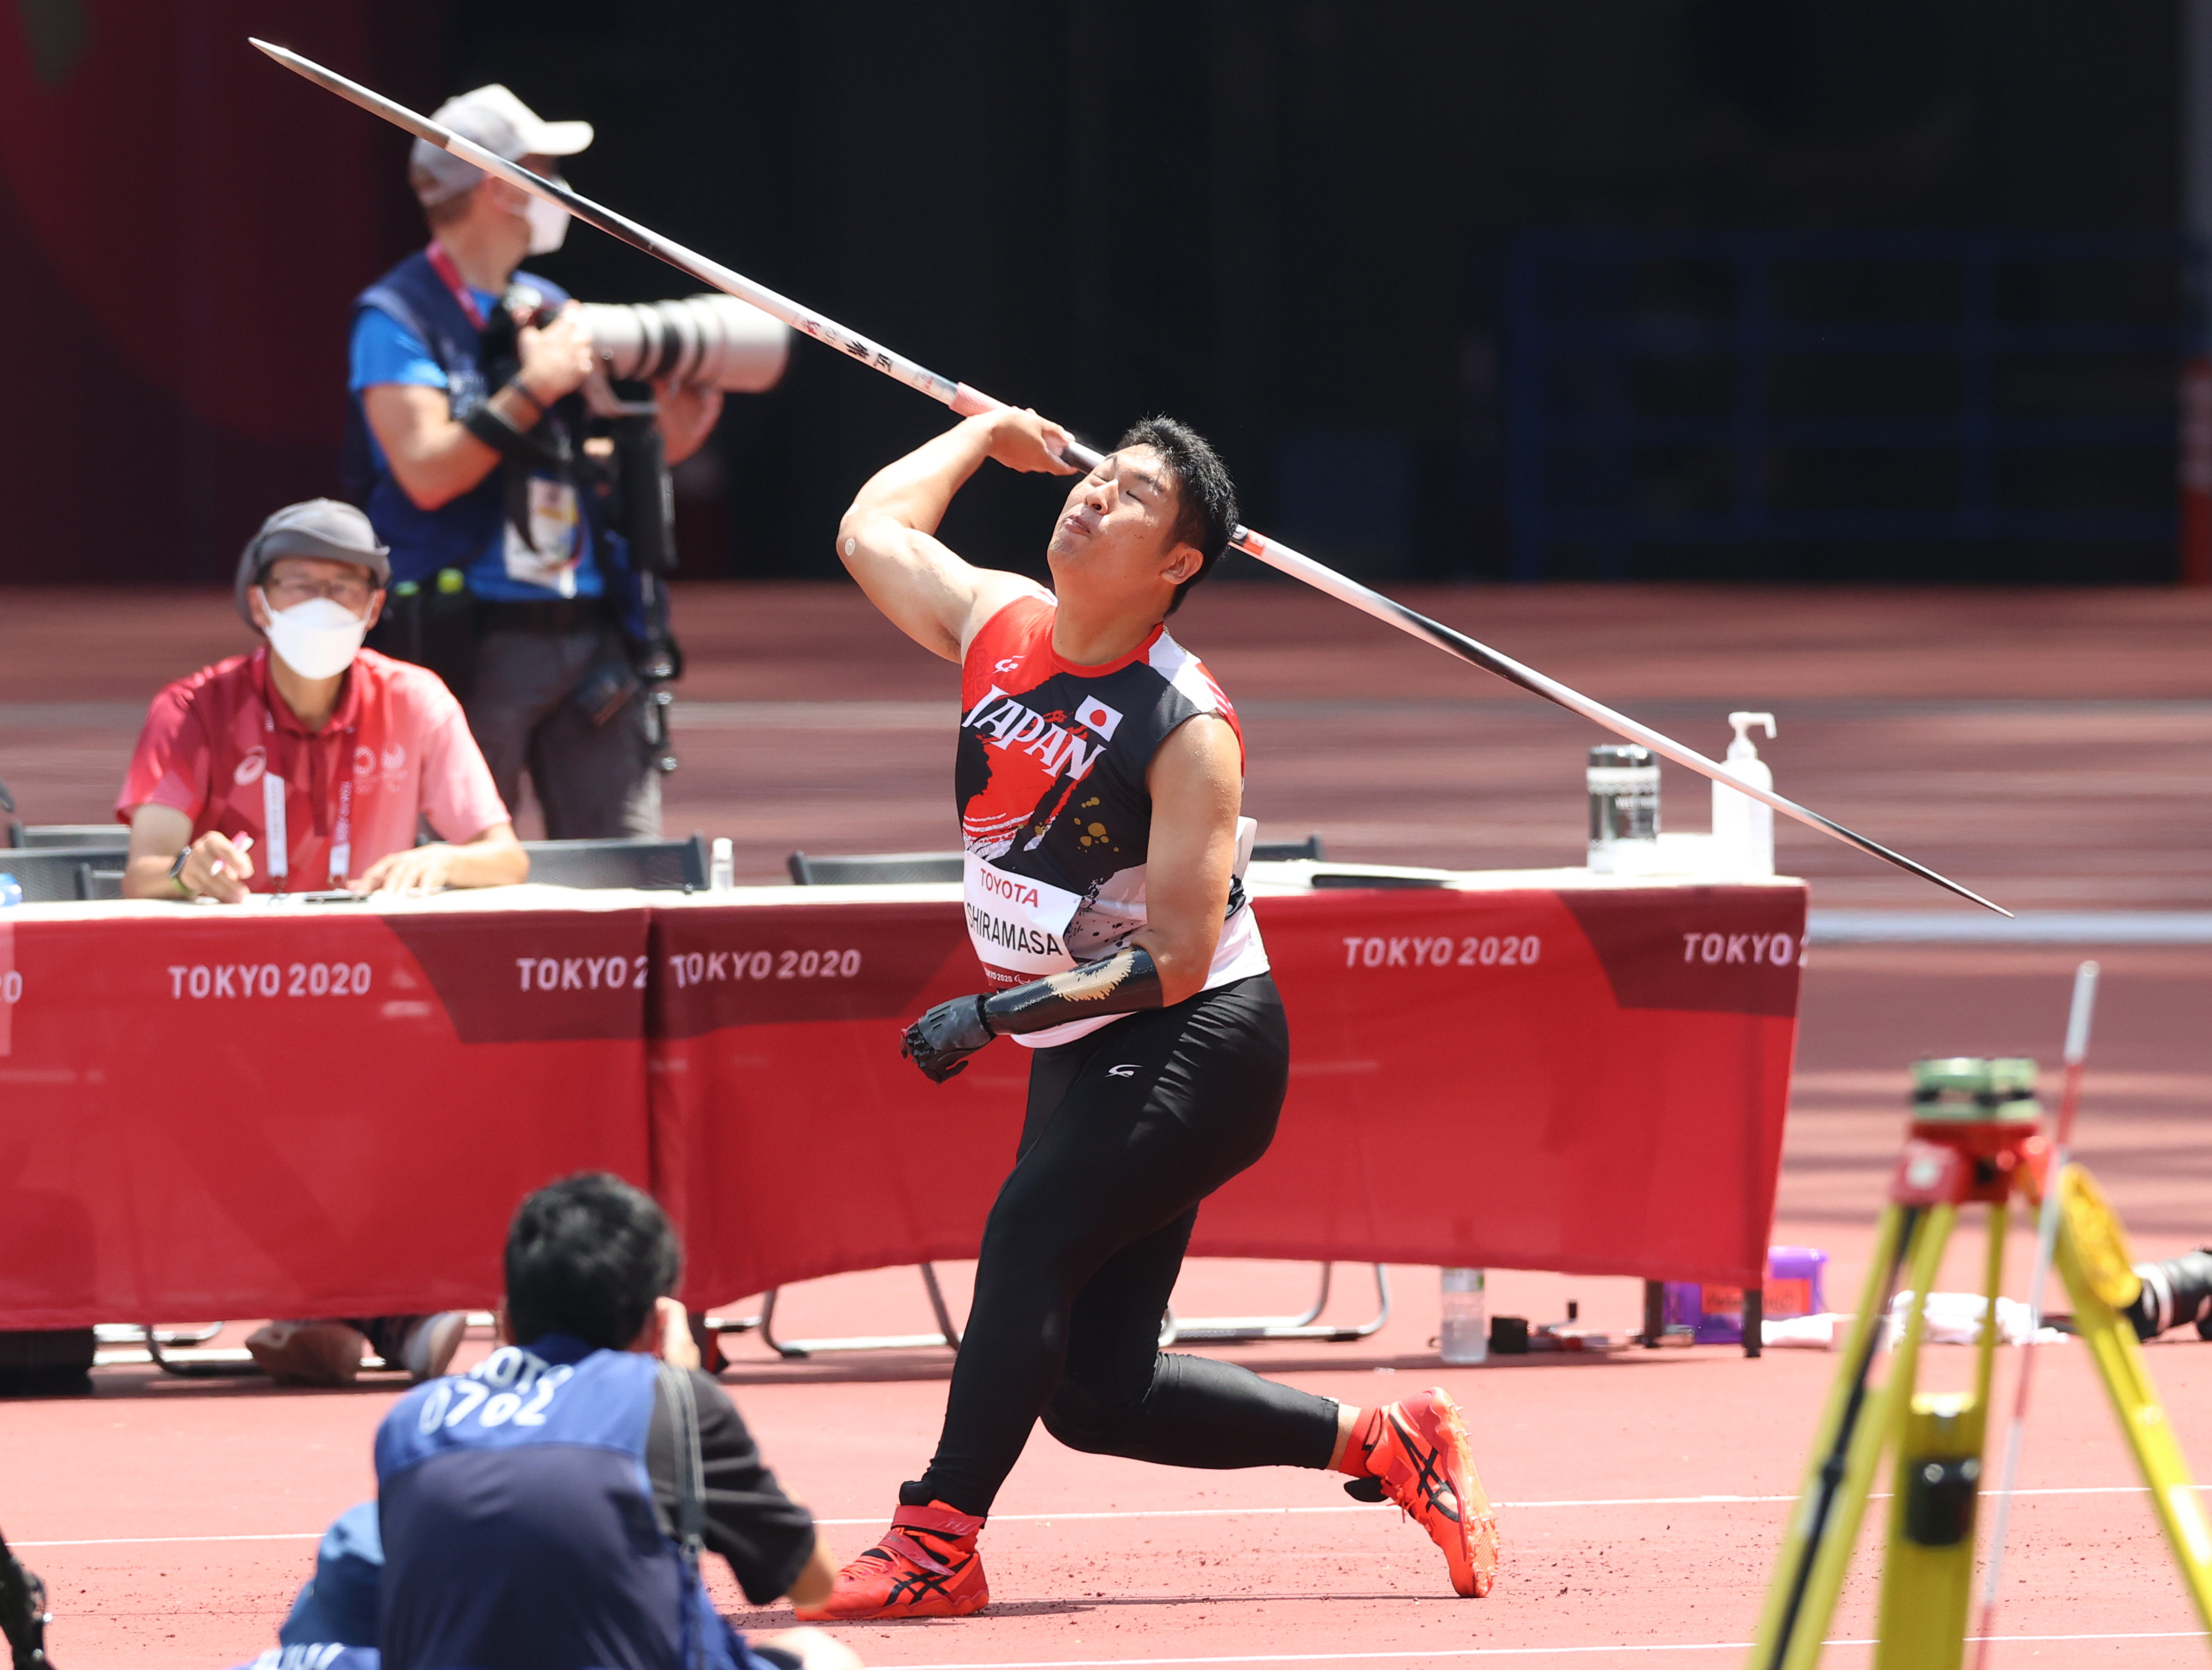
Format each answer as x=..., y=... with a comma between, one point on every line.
x=1117, y=984
x=943, y=1039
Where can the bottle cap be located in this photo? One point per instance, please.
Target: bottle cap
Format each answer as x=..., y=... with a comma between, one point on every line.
x=1620, y=755
x=1743, y=722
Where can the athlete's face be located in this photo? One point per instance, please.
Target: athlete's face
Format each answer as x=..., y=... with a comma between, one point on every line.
x=1116, y=532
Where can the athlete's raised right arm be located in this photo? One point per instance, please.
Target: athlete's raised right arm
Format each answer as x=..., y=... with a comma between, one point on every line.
x=888, y=539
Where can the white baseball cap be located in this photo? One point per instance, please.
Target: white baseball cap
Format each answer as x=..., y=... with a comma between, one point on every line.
x=498, y=121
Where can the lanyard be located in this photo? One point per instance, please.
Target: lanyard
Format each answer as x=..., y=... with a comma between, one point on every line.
x=276, y=826
x=443, y=264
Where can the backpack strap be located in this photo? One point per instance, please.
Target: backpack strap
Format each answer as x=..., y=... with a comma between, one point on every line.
x=387, y=300
x=673, y=1389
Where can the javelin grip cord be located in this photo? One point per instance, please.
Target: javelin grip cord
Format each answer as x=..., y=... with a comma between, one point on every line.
x=969, y=402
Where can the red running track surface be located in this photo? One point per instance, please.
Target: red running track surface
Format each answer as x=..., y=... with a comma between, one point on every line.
x=219, y=1492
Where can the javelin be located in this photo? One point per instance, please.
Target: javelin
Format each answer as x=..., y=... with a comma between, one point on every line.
x=2046, y=1243
x=969, y=402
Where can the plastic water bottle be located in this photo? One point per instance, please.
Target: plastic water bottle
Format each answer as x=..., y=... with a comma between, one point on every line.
x=721, y=870
x=11, y=890
x=1623, y=810
x=1743, y=828
x=1465, y=1336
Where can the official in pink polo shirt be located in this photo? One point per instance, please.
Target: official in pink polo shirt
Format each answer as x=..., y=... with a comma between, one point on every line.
x=325, y=754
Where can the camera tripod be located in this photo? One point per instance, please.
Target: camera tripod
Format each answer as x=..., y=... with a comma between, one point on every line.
x=1974, y=1140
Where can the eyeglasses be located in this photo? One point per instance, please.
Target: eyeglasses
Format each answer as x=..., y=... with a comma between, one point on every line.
x=349, y=592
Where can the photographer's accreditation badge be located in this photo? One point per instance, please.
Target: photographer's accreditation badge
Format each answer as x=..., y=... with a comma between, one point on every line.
x=553, y=531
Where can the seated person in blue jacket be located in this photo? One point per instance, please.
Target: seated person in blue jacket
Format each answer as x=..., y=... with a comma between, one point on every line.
x=529, y=1511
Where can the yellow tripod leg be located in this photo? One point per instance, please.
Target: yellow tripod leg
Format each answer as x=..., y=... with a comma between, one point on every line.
x=2093, y=1260
x=1855, y=1424
x=1928, y=1568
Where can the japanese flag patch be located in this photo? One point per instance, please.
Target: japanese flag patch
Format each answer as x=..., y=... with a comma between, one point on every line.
x=1096, y=716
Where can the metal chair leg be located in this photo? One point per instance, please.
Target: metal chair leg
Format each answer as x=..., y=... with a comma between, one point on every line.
x=161, y=1345
x=134, y=1333
x=1227, y=1328
x=794, y=1349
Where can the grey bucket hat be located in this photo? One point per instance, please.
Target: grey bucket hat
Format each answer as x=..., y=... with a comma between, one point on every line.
x=327, y=528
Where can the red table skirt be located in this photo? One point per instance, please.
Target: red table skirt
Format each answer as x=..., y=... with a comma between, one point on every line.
x=1589, y=1080
x=322, y=1113
x=333, y=1111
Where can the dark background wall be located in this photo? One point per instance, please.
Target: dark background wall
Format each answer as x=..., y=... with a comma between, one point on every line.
x=1286, y=221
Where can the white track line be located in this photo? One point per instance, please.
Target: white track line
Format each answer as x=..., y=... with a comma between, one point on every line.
x=114, y=1542
x=1411, y=1654
x=1561, y=1502
x=1185, y=1513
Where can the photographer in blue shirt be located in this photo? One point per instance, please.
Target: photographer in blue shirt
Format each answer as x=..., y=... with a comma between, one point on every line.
x=466, y=444
x=533, y=1511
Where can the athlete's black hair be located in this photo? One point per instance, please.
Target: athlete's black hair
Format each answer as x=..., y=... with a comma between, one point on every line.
x=1206, y=499
x=586, y=1257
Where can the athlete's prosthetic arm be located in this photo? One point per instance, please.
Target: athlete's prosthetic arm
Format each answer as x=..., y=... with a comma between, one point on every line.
x=1118, y=984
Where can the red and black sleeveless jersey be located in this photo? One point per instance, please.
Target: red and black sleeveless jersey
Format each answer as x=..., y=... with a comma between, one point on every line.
x=1055, y=812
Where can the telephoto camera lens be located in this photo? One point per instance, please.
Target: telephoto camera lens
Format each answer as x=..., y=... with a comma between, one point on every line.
x=712, y=341
x=2175, y=1292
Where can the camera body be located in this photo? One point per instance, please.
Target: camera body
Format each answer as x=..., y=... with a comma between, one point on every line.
x=2176, y=1292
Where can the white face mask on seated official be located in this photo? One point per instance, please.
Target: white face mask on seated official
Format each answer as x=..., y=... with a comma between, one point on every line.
x=549, y=224
x=317, y=639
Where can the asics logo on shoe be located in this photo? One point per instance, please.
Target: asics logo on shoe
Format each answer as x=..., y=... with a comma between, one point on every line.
x=1126, y=1070
x=1429, y=1480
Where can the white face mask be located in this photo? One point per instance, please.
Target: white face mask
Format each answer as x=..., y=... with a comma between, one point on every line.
x=317, y=639
x=549, y=224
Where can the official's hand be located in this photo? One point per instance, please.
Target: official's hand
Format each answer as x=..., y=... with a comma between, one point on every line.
x=943, y=1039
x=1021, y=440
x=687, y=416
x=201, y=876
x=414, y=872
x=555, y=356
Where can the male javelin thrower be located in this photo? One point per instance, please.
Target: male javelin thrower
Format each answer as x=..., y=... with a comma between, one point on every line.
x=1099, y=774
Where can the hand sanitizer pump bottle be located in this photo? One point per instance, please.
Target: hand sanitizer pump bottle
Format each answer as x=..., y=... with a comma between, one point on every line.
x=1743, y=828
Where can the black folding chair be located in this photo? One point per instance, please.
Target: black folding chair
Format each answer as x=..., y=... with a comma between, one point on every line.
x=113, y=837
x=812, y=870
x=875, y=868
x=658, y=866
x=57, y=875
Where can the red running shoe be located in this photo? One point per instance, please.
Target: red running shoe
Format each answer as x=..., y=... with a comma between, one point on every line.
x=1417, y=1451
x=925, y=1566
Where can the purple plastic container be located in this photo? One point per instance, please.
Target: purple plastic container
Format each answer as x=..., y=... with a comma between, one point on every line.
x=1714, y=1313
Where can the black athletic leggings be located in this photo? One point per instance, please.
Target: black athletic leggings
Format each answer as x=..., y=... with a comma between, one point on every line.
x=1128, y=1129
